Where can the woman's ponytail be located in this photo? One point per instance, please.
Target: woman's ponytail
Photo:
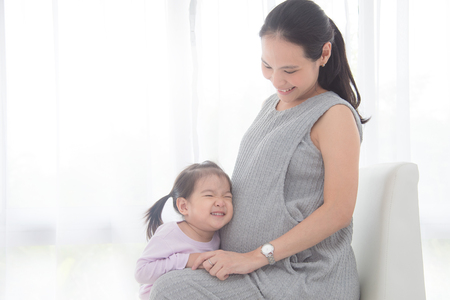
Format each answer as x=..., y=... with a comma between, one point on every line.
x=336, y=75
x=153, y=216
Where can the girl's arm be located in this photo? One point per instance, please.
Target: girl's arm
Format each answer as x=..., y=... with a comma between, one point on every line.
x=336, y=136
x=192, y=258
x=157, y=259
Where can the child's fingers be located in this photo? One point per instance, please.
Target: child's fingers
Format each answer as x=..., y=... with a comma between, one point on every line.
x=198, y=262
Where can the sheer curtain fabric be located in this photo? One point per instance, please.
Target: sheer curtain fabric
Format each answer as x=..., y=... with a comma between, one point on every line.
x=104, y=102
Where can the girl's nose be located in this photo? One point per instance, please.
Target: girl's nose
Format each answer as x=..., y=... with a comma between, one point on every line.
x=219, y=202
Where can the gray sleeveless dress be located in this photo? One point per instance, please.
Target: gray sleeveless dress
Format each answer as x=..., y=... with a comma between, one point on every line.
x=277, y=182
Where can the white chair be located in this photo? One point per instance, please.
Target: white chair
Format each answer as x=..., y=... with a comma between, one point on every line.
x=386, y=237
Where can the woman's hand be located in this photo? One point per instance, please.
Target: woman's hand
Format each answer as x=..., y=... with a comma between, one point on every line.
x=221, y=263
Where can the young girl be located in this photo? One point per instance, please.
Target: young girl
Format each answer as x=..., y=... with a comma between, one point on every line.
x=202, y=195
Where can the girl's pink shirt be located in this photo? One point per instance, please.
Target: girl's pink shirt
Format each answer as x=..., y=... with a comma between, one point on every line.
x=167, y=250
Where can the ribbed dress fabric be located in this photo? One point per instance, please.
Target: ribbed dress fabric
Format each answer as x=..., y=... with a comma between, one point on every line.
x=278, y=181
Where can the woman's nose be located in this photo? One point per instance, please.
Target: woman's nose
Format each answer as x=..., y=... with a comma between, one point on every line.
x=277, y=79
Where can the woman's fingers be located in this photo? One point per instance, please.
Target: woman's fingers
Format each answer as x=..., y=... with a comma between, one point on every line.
x=216, y=269
x=217, y=265
x=207, y=264
x=202, y=259
x=222, y=275
x=219, y=271
x=210, y=262
x=221, y=263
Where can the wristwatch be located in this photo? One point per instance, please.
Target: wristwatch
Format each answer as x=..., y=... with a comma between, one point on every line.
x=267, y=250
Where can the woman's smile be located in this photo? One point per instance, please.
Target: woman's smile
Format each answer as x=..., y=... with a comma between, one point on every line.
x=286, y=92
x=290, y=71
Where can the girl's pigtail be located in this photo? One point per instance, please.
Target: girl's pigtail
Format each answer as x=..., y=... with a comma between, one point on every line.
x=153, y=216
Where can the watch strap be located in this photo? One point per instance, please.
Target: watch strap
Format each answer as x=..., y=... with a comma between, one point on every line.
x=271, y=259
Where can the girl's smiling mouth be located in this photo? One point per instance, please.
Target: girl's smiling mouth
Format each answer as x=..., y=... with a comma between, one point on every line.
x=218, y=213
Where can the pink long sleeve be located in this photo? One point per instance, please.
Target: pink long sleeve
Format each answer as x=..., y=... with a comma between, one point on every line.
x=157, y=259
x=167, y=250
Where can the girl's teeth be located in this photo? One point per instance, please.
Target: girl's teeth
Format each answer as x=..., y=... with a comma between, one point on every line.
x=217, y=214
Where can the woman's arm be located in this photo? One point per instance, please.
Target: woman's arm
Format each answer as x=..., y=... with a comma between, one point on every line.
x=336, y=136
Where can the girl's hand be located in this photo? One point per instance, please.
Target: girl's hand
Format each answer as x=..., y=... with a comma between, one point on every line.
x=192, y=258
x=221, y=263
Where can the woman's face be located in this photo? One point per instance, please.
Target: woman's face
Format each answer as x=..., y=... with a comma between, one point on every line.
x=291, y=73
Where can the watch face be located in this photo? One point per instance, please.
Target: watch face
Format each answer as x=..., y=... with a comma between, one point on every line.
x=267, y=248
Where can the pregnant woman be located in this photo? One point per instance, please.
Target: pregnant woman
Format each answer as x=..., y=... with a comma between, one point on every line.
x=295, y=179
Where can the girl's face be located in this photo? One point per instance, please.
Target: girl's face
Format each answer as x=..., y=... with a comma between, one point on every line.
x=291, y=73
x=210, y=205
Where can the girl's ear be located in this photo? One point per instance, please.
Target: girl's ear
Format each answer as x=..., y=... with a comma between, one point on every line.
x=182, y=206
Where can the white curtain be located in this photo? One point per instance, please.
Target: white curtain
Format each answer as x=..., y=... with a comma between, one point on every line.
x=402, y=77
x=104, y=102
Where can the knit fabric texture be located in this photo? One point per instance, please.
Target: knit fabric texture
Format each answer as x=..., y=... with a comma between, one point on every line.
x=278, y=181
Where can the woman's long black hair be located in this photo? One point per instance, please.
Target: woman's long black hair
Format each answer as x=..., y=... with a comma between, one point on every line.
x=183, y=187
x=304, y=23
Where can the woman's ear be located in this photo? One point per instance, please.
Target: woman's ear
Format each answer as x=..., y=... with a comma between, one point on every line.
x=182, y=205
x=326, y=53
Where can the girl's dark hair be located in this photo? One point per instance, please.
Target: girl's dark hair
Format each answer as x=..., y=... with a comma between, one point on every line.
x=304, y=23
x=183, y=187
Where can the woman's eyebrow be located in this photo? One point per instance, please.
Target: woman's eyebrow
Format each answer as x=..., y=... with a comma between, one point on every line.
x=285, y=67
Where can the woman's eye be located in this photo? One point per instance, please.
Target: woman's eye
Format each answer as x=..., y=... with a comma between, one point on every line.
x=290, y=72
x=266, y=66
